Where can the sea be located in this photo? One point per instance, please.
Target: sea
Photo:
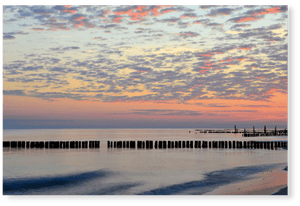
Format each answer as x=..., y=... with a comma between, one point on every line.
x=124, y=171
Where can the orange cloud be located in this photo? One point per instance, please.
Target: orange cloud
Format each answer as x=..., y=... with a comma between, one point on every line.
x=140, y=8
x=68, y=6
x=248, y=19
x=206, y=67
x=69, y=11
x=165, y=6
x=273, y=10
x=138, y=15
x=123, y=12
x=117, y=20
x=206, y=55
x=244, y=48
x=80, y=24
x=155, y=11
x=167, y=11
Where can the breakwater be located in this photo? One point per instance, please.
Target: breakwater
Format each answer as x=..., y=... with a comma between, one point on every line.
x=147, y=144
x=150, y=144
x=52, y=144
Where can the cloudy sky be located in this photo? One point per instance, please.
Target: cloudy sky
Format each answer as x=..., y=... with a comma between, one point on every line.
x=144, y=66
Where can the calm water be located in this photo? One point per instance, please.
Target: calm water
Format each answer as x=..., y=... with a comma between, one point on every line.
x=127, y=171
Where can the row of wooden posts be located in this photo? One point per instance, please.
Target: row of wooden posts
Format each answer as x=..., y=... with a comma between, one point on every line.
x=148, y=144
x=52, y=144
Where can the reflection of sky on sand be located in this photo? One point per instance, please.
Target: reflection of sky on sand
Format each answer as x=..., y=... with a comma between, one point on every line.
x=105, y=182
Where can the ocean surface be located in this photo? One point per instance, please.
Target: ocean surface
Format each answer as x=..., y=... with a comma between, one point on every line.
x=185, y=171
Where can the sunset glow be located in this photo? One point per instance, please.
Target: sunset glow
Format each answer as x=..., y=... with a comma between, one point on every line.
x=144, y=66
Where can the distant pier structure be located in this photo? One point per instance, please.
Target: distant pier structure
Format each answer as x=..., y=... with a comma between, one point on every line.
x=249, y=133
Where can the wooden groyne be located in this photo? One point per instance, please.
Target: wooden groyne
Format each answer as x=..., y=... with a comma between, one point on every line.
x=150, y=144
x=52, y=144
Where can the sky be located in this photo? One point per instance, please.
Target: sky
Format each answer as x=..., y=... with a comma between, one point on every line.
x=145, y=66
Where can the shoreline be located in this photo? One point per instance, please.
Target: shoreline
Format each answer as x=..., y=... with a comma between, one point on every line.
x=271, y=182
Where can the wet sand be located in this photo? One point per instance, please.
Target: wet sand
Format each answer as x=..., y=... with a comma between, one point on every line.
x=265, y=183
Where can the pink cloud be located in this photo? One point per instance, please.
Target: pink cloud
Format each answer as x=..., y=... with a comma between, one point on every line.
x=80, y=18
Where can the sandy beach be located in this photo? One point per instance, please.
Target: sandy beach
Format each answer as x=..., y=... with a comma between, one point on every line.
x=265, y=183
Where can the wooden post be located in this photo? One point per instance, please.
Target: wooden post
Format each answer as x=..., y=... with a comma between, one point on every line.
x=272, y=146
x=183, y=144
x=196, y=144
x=209, y=144
x=265, y=129
x=229, y=144
x=67, y=144
x=56, y=144
x=261, y=145
x=179, y=144
x=226, y=144
x=151, y=144
x=98, y=144
x=164, y=144
x=176, y=144
x=28, y=144
x=160, y=144
x=191, y=144
x=187, y=144
x=253, y=130
x=233, y=144
x=169, y=144
x=132, y=144
x=155, y=144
